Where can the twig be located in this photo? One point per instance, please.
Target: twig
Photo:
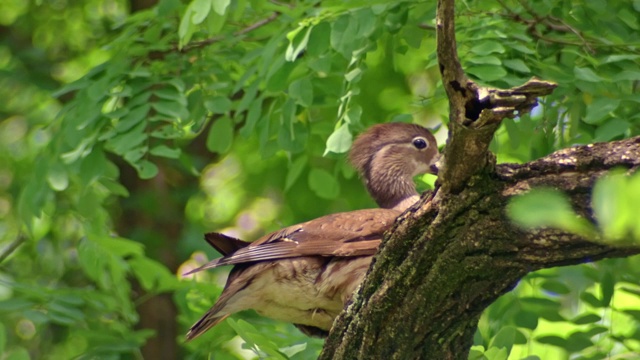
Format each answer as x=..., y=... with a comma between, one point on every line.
x=12, y=247
x=218, y=38
x=548, y=21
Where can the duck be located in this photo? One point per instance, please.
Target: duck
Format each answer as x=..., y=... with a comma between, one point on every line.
x=306, y=273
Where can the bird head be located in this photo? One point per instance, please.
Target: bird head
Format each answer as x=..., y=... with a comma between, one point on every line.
x=388, y=156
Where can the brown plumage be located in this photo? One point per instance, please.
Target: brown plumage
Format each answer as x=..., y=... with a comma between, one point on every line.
x=306, y=273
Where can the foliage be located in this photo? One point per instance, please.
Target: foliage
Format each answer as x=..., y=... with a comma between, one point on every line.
x=257, y=100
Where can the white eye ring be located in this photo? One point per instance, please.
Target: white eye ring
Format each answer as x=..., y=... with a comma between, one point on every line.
x=420, y=143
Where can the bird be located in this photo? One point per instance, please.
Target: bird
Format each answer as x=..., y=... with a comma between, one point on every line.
x=305, y=274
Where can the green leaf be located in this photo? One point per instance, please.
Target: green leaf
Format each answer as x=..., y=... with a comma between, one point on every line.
x=590, y=299
x=218, y=104
x=353, y=75
x=3, y=339
x=133, y=118
x=578, y=342
x=297, y=44
x=607, y=288
x=496, y=354
x=252, y=336
x=186, y=27
x=153, y=276
x=323, y=184
x=278, y=80
x=133, y=155
x=600, y=109
x=18, y=353
x=586, y=74
x=127, y=141
x=220, y=135
x=611, y=129
x=146, y=169
x=120, y=246
x=295, y=170
x=57, y=177
x=165, y=151
x=517, y=65
x=555, y=287
x=488, y=47
x=341, y=36
x=485, y=60
x=92, y=259
x=547, y=207
x=171, y=93
x=290, y=351
x=200, y=10
x=220, y=6
x=487, y=72
x=526, y=319
x=301, y=91
x=626, y=75
x=476, y=353
x=505, y=338
x=168, y=132
x=340, y=140
x=319, y=39
x=114, y=187
x=253, y=115
x=293, y=137
x=611, y=206
x=172, y=109
x=552, y=340
x=586, y=319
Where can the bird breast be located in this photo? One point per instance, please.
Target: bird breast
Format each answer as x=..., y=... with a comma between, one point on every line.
x=305, y=290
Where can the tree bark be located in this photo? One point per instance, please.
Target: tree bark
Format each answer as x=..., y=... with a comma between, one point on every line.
x=455, y=252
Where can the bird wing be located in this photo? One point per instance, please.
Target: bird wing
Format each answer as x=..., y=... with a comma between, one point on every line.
x=224, y=244
x=354, y=233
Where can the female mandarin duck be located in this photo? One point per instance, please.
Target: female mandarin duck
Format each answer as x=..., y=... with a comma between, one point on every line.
x=306, y=273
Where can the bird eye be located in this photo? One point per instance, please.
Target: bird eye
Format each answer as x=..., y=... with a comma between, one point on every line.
x=419, y=143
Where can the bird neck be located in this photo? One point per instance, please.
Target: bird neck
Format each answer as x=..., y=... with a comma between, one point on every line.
x=391, y=191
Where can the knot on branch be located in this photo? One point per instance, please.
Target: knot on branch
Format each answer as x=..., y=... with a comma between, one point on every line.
x=497, y=104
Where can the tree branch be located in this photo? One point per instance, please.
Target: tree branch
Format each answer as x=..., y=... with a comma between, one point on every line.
x=12, y=247
x=212, y=40
x=474, y=112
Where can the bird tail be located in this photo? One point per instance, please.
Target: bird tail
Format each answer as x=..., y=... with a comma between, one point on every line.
x=207, y=322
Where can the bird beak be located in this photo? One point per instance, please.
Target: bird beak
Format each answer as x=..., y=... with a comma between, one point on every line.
x=436, y=164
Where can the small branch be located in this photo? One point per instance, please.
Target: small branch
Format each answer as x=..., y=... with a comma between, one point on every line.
x=550, y=22
x=474, y=112
x=218, y=38
x=12, y=247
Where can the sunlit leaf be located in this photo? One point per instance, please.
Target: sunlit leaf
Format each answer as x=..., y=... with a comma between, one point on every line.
x=340, y=140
